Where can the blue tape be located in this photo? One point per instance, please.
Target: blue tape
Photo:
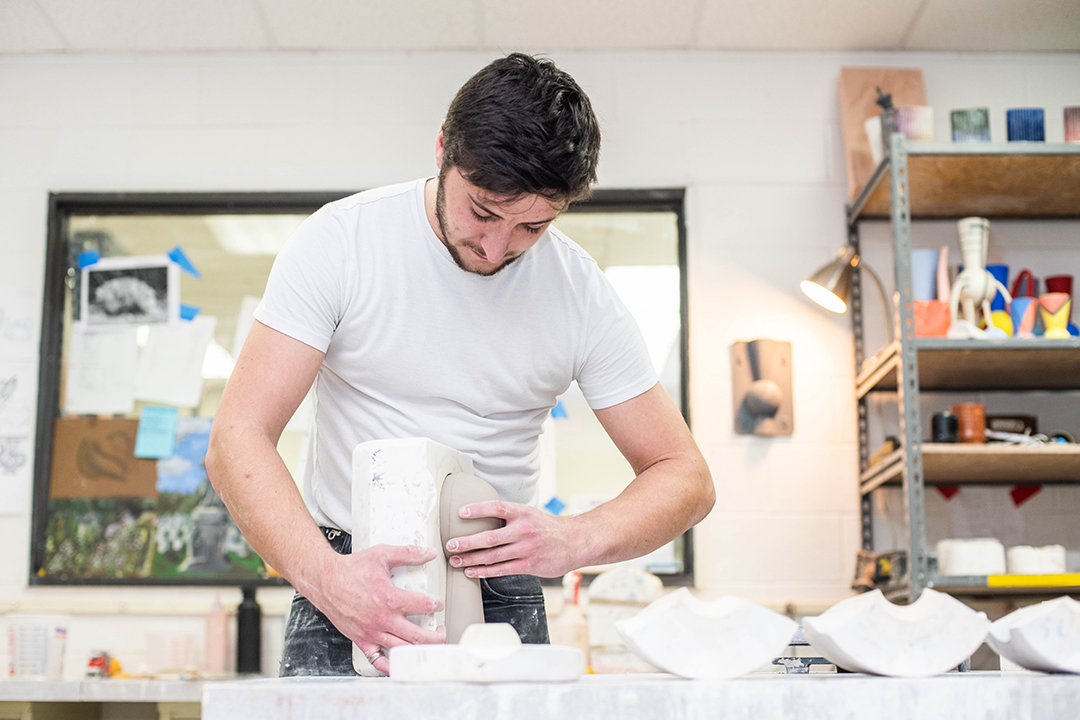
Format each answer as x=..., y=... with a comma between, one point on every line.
x=88, y=257
x=177, y=256
x=188, y=312
x=559, y=411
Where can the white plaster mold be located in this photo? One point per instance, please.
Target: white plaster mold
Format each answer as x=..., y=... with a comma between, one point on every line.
x=869, y=634
x=971, y=556
x=487, y=653
x=692, y=638
x=1043, y=637
x=395, y=501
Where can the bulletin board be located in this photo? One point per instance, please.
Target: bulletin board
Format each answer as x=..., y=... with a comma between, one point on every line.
x=147, y=300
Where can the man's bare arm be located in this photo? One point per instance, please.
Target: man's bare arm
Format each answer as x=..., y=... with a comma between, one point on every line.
x=671, y=492
x=271, y=377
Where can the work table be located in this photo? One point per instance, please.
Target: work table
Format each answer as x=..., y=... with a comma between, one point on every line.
x=955, y=696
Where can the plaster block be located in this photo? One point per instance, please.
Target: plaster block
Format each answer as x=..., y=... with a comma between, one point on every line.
x=710, y=640
x=869, y=634
x=396, y=502
x=1042, y=637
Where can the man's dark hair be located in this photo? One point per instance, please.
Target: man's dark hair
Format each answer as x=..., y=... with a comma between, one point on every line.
x=522, y=126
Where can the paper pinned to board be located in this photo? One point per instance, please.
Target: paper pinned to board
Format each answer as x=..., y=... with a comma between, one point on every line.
x=156, y=437
x=95, y=458
x=101, y=371
x=171, y=362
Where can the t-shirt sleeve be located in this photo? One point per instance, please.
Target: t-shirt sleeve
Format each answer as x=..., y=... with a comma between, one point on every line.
x=615, y=365
x=305, y=293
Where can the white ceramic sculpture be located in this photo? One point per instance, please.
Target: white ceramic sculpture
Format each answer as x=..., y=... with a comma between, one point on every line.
x=395, y=501
x=716, y=640
x=614, y=595
x=975, y=286
x=487, y=654
x=1042, y=637
x=869, y=634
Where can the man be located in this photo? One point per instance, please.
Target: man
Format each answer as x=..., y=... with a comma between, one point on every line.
x=448, y=308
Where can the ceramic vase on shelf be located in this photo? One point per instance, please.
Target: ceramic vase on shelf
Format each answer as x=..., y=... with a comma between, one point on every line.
x=975, y=286
x=1055, y=308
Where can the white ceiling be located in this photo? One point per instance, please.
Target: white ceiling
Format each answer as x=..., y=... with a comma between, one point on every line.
x=37, y=26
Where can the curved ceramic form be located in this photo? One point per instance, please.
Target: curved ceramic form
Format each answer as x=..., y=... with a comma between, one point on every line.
x=869, y=634
x=715, y=640
x=1042, y=637
x=1055, y=314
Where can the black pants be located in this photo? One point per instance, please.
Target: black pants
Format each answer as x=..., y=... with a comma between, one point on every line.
x=313, y=646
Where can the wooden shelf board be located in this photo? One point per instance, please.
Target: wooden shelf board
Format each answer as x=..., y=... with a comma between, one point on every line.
x=996, y=182
x=995, y=463
x=1011, y=364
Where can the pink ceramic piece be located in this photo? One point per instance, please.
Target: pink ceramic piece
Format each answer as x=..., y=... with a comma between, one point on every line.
x=1023, y=311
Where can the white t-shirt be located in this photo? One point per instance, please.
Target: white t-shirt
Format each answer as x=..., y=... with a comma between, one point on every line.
x=417, y=347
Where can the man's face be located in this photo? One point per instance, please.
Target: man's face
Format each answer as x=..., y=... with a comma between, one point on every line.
x=484, y=233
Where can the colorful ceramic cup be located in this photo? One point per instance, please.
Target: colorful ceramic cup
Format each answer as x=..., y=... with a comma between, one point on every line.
x=1055, y=314
x=924, y=264
x=1072, y=124
x=1001, y=274
x=970, y=422
x=1022, y=311
x=1025, y=125
x=971, y=125
x=1060, y=284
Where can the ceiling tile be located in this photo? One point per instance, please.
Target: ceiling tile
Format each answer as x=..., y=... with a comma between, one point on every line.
x=540, y=25
x=998, y=25
x=801, y=25
x=158, y=25
x=373, y=24
x=24, y=28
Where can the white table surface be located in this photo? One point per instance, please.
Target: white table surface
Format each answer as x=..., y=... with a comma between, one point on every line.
x=101, y=690
x=955, y=696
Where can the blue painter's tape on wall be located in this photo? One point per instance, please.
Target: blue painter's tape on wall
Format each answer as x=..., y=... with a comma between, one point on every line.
x=88, y=257
x=559, y=411
x=177, y=256
x=555, y=506
x=188, y=312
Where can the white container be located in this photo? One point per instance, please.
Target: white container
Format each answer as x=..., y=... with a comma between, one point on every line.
x=36, y=646
x=975, y=556
x=1028, y=560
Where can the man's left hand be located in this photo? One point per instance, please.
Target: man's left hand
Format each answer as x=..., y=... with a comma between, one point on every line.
x=532, y=542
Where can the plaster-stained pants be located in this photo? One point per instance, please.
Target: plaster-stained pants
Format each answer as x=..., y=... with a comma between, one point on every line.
x=313, y=646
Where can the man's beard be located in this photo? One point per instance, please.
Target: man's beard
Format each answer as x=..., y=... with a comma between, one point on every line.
x=440, y=215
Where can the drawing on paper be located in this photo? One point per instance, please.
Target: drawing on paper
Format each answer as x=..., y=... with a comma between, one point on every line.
x=12, y=455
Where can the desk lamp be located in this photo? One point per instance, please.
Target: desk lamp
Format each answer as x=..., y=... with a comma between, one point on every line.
x=830, y=287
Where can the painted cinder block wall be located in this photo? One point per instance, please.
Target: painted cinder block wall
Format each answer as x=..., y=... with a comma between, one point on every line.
x=754, y=137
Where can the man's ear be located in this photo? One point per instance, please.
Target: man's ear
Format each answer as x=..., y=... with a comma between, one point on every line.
x=439, y=149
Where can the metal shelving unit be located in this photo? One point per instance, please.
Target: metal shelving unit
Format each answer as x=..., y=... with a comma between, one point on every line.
x=940, y=180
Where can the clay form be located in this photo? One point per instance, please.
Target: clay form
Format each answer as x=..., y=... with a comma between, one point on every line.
x=696, y=639
x=395, y=501
x=869, y=634
x=975, y=286
x=1022, y=310
x=614, y=595
x=1042, y=637
x=1028, y=560
x=971, y=556
x=1055, y=314
x=464, y=602
x=487, y=654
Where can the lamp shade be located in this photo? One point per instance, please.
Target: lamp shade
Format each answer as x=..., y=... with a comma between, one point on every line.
x=830, y=286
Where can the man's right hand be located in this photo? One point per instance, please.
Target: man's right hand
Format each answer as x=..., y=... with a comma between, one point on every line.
x=359, y=598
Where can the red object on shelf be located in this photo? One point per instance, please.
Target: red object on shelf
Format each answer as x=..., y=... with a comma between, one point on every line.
x=948, y=491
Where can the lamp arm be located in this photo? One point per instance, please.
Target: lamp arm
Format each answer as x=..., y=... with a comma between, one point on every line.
x=884, y=301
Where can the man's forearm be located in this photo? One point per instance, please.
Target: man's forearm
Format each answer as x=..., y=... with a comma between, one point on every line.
x=253, y=482
x=661, y=503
